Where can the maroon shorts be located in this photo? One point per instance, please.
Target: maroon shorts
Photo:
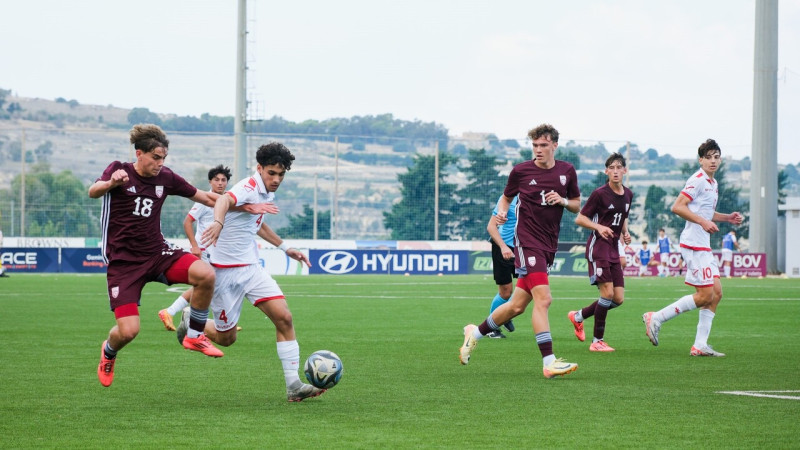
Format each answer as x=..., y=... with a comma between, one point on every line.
x=606, y=272
x=533, y=267
x=126, y=279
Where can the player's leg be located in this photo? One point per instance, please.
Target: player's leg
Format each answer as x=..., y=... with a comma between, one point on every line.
x=187, y=268
x=551, y=366
x=604, y=303
x=166, y=314
x=706, y=316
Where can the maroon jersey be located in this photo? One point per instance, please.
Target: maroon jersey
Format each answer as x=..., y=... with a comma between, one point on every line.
x=608, y=208
x=537, y=222
x=131, y=215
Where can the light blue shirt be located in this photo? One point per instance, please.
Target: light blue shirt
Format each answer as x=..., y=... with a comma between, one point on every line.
x=507, y=229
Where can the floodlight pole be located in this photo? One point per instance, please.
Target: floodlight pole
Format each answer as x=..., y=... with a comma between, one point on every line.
x=764, y=166
x=239, y=117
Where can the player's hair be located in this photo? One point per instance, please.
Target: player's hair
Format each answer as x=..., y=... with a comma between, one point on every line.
x=219, y=170
x=707, y=147
x=147, y=137
x=616, y=156
x=661, y=229
x=275, y=153
x=644, y=241
x=544, y=129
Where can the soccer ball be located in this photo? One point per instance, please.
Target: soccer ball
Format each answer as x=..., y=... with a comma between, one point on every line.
x=323, y=369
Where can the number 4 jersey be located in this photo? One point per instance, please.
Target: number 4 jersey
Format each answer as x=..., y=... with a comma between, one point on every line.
x=131, y=215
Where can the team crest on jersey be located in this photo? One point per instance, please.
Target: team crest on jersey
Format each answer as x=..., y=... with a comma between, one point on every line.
x=115, y=291
x=627, y=205
x=563, y=179
x=159, y=191
x=250, y=186
x=531, y=261
x=599, y=271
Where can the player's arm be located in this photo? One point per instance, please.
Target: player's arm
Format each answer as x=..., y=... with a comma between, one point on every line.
x=266, y=233
x=221, y=207
x=101, y=187
x=502, y=209
x=189, y=230
x=735, y=218
x=602, y=230
x=624, y=234
x=681, y=209
x=206, y=198
x=572, y=205
x=495, y=235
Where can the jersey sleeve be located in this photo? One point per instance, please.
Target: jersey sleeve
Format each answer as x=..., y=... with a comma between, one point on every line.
x=589, y=207
x=692, y=187
x=197, y=211
x=512, y=186
x=572, y=187
x=113, y=167
x=182, y=187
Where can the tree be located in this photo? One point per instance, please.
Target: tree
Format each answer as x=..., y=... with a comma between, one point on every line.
x=412, y=218
x=570, y=157
x=301, y=226
x=476, y=199
x=783, y=184
x=143, y=115
x=44, y=151
x=657, y=213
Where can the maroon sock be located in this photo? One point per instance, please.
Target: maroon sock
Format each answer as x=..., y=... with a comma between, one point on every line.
x=589, y=310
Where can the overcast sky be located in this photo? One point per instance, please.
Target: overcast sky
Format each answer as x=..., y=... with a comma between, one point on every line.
x=662, y=74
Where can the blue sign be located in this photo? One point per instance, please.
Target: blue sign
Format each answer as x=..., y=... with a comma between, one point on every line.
x=82, y=260
x=29, y=259
x=387, y=262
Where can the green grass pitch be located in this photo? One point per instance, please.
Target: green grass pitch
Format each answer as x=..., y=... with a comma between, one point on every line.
x=403, y=386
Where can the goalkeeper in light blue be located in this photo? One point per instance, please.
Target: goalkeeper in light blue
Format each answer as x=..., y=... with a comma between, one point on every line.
x=502, y=239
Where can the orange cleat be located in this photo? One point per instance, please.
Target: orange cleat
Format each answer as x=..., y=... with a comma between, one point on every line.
x=166, y=319
x=203, y=345
x=600, y=346
x=579, y=333
x=105, y=370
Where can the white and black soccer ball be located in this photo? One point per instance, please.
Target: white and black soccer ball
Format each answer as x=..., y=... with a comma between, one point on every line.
x=323, y=369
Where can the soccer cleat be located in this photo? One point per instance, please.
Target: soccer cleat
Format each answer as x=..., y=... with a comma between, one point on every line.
x=651, y=327
x=496, y=334
x=303, y=392
x=579, y=333
x=183, y=326
x=705, y=351
x=509, y=326
x=600, y=346
x=202, y=344
x=105, y=370
x=469, y=344
x=558, y=367
x=166, y=319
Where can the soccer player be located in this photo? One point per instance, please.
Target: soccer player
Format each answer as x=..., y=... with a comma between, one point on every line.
x=234, y=256
x=729, y=243
x=696, y=203
x=644, y=257
x=502, y=238
x=606, y=214
x=136, y=251
x=545, y=188
x=664, y=246
x=218, y=178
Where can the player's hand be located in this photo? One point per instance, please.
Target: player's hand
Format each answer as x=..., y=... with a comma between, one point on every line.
x=709, y=226
x=605, y=232
x=196, y=251
x=211, y=234
x=626, y=238
x=506, y=252
x=736, y=218
x=297, y=255
x=261, y=208
x=118, y=178
x=552, y=198
x=501, y=217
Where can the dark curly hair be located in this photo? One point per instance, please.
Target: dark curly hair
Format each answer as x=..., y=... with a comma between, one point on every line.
x=219, y=170
x=708, y=146
x=274, y=153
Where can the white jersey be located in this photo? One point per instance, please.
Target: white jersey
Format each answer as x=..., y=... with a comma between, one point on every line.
x=236, y=245
x=702, y=192
x=203, y=215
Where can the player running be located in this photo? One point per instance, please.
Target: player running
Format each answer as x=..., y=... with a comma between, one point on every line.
x=545, y=188
x=606, y=214
x=696, y=203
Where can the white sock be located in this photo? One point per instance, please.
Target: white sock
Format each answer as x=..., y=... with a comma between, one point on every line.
x=547, y=360
x=476, y=333
x=703, y=328
x=177, y=306
x=289, y=354
x=685, y=303
x=727, y=271
x=578, y=316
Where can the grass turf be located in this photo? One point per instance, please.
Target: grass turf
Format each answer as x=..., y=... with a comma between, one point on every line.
x=398, y=338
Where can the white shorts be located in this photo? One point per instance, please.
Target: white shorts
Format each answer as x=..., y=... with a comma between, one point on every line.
x=664, y=257
x=727, y=254
x=701, y=267
x=233, y=285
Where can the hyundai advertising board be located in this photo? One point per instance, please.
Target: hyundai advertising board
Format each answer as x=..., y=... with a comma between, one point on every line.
x=386, y=262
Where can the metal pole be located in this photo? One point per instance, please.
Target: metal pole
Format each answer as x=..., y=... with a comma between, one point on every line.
x=22, y=186
x=335, y=220
x=316, y=186
x=239, y=117
x=764, y=169
x=436, y=191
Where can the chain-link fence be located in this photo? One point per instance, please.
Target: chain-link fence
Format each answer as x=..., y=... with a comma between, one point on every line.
x=340, y=187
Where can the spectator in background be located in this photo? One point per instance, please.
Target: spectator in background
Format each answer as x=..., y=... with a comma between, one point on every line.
x=729, y=243
x=645, y=259
x=664, y=247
